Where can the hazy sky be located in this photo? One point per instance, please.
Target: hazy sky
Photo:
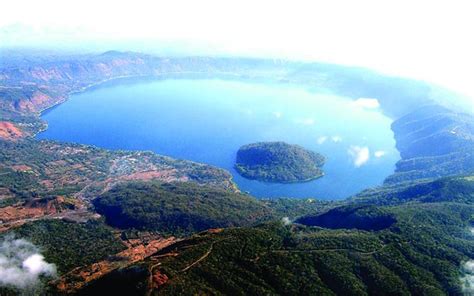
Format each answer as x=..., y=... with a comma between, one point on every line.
x=432, y=40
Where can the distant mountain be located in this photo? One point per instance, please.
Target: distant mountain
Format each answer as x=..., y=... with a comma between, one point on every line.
x=54, y=76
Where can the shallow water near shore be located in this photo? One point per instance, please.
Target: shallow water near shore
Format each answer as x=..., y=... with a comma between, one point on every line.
x=208, y=120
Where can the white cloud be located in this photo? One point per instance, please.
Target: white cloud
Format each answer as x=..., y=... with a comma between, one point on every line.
x=379, y=153
x=305, y=121
x=467, y=279
x=366, y=103
x=336, y=139
x=36, y=265
x=360, y=155
x=21, y=264
x=277, y=114
x=285, y=221
x=322, y=139
x=443, y=55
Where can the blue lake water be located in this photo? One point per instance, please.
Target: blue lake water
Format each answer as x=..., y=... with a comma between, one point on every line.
x=208, y=120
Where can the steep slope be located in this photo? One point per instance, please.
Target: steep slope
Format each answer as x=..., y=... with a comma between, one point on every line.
x=30, y=84
x=433, y=142
x=450, y=189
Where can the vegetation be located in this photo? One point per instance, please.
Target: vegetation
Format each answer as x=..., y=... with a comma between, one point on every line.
x=278, y=162
x=68, y=244
x=177, y=208
x=450, y=189
x=409, y=236
x=433, y=142
x=417, y=252
x=293, y=208
x=30, y=168
x=351, y=217
x=419, y=255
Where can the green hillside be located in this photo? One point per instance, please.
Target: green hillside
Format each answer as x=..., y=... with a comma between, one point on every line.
x=177, y=208
x=433, y=142
x=420, y=253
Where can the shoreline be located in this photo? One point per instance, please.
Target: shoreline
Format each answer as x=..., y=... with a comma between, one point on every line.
x=166, y=75
x=232, y=184
x=73, y=92
x=287, y=182
x=89, y=86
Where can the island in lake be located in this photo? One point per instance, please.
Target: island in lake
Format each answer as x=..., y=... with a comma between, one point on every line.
x=278, y=162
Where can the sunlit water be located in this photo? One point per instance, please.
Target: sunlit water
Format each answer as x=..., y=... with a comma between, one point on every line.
x=208, y=120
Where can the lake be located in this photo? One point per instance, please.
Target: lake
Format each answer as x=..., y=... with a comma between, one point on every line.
x=208, y=120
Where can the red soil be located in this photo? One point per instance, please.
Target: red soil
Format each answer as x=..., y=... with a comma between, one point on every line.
x=21, y=168
x=159, y=279
x=9, y=131
x=77, y=278
x=164, y=175
x=16, y=215
x=37, y=102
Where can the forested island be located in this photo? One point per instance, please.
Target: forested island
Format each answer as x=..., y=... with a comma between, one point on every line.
x=278, y=162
